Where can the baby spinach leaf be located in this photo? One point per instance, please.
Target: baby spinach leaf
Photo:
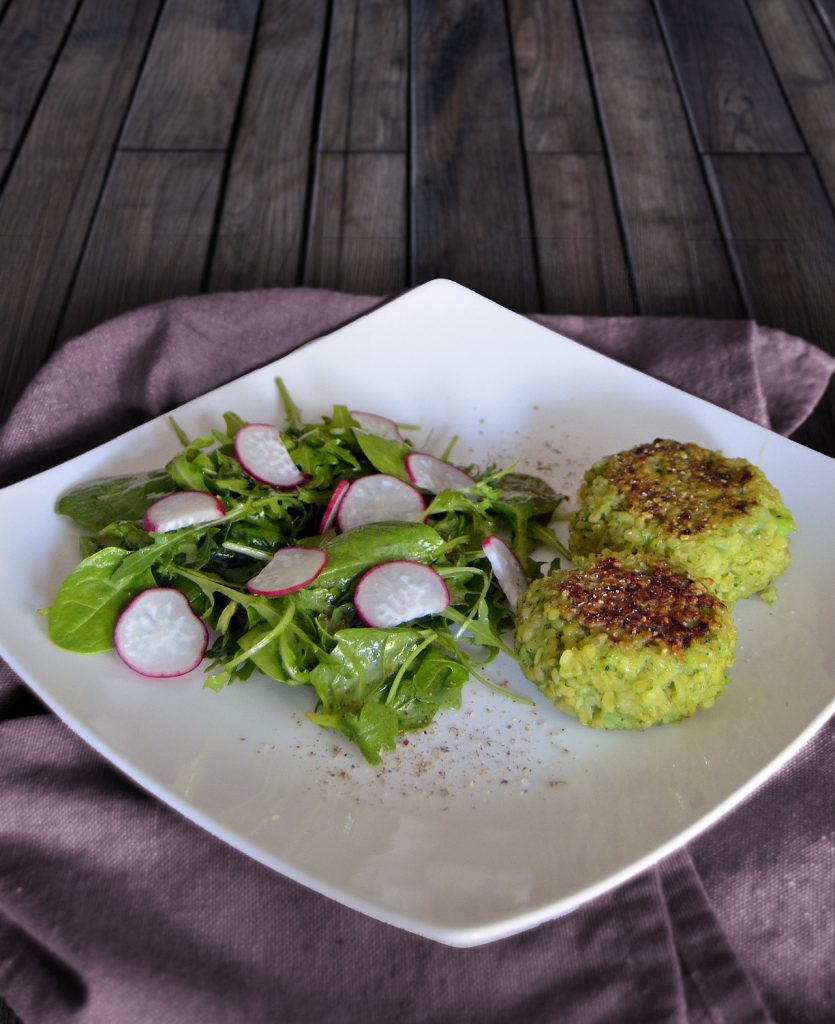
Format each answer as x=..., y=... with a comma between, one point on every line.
x=350, y=554
x=384, y=454
x=435, y=682
x=523, y=500
x=98, y=503
x=359, y=666
x=88, y=602
x=374, y=730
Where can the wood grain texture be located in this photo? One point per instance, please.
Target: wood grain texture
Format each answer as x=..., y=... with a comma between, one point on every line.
x=53, y=188
x=191, y=82
x=818, y=431
x=804, y=57
x=554, y=91
x=676, y=253
x=728, y=83
x=826, y=12
x=261, y=234
x=30, y=37
x=781, y=230
x=150, y=237
x=583, y=266
x=357, y=239
x=470, y=218
x=365, y=103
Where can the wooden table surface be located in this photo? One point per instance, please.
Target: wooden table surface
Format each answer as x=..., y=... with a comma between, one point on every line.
x=597, y=156
x=582, y=156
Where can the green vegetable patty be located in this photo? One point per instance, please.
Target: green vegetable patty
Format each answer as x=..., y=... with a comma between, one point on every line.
x=624, y=643
x=719, y=519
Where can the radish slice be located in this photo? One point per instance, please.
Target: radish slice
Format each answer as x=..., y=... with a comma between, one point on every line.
x=435, y=475
x=183, y=508
x=506, y=566
x=290, y=569
x=382, y=426
x=159, y=635
x=397, y=592
x=377, y=498
x=262, y=454
x=330, y=511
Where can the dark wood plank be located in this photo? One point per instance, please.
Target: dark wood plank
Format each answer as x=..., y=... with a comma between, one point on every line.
x=358, y=236
x=826, y=12
x=781, y=230
x=470, y=217
x=804, y=57
x=54, y=185
x=818, y=431
x=261, y=232
x=676, y=253
x=189, y=90
x=554, y=95
x=30, y=37
x=581, y=257
x=150, y=237
x=365, y=104
x=727, y=80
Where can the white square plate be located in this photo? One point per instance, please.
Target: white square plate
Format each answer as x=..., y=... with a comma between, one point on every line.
x=499, y=816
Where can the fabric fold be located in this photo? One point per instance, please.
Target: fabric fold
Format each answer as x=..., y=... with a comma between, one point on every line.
x=709, y=962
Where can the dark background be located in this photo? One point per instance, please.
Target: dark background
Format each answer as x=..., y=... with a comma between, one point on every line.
x=599, y=156
x=671, y=157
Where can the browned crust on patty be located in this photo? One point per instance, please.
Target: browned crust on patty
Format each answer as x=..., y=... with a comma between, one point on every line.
x=688, y=487
x=655, y=602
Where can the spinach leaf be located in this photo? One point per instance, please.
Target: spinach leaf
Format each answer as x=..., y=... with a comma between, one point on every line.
x=357, y=668
x=378, y=683
x=98, y=503
x=524, y=501
x=353, y=682
x=384, y=454
x=350, y=554
x=88, y=602
x=435, y=683
x=374, y=730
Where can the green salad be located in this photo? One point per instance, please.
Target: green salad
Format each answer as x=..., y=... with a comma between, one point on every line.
x=331, y=555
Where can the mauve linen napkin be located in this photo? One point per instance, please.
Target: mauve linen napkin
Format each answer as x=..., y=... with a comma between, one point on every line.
x=113, y=908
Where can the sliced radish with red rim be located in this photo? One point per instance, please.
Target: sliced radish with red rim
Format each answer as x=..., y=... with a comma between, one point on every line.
x=158, y=635
x=397, y=592
x=290, y=569
x=378, y=498
x=382, y=426
x=329, y=517
x=507, y=569
x=264, y=456
x=183, y=508
x=433, y=474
